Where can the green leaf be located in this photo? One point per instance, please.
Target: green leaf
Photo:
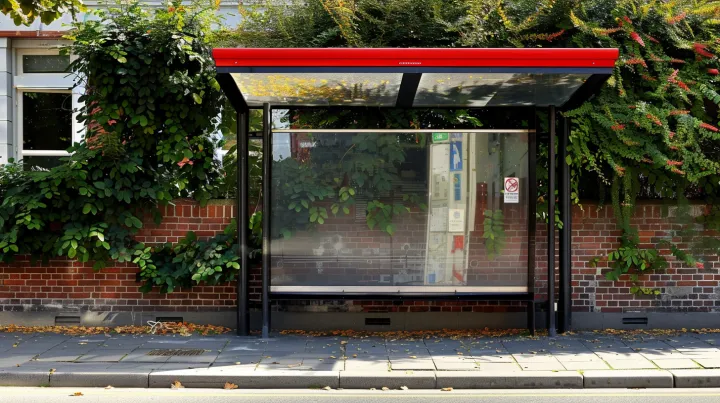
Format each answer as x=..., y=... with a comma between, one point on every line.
x=197, y=98
x=86, y=208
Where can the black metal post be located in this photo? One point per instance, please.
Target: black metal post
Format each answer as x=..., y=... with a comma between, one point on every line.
x=242, y=138
x=532, y=219
x=267, y=159
x=565, y=319
x=551, y=226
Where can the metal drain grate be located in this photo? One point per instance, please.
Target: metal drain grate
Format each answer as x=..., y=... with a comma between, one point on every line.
x=176, y=351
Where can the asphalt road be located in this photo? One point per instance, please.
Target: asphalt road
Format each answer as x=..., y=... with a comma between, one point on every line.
x=66, y=395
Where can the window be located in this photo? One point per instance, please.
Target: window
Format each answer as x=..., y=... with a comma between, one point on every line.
x=33, y=64
x=45, y=105
x=45, y=127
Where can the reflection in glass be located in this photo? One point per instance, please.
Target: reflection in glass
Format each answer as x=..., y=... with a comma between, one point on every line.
x=45, y=63
x=409, y=209
x=46, y=120
x=496, y=89
x=40, y=162
x=317, y=89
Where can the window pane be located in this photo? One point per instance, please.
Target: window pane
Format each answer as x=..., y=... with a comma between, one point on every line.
x=447, y=209
x=47, y=121
x=45, y=64
x=40, y=163
x=366, y=89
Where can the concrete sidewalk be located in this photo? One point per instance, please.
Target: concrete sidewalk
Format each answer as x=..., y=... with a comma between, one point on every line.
x=589, y=360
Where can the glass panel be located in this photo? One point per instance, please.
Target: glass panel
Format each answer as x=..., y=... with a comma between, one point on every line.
x=411, y=209
x=40, y=162
x=45, y=63
x=318, y=89
x=496, y=89
x=46, y=120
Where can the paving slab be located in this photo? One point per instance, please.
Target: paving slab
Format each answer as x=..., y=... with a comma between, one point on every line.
x=103, y=356
x=708, y=362
x=206, y=378
x=499, y=358
x=498, y=366
x=419, y=364
x=392, y=380
x=628, y=364
x=676, y=363
x=628, y=379
x=542, y=366
x=696, y=378
x=585, y=365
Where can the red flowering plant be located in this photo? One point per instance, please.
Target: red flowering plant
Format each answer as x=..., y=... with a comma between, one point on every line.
x=657, y=113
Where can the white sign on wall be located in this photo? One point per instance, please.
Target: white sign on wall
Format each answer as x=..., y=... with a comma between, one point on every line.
x=512, y=190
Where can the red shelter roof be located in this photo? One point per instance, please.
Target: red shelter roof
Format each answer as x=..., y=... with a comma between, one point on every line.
x=414, y=77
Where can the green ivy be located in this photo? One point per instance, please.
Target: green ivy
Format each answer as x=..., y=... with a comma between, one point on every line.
x=151, y=105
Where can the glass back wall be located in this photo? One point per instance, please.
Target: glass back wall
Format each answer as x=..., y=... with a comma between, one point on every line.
x=400, y=211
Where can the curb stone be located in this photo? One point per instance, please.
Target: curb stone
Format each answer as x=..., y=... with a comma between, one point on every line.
x=24, y=378
x=100, y=379
x=247, y=380
x=550, y=380
x=650, y=378
x=696, y=378
x=392, y=380
x=476, y=380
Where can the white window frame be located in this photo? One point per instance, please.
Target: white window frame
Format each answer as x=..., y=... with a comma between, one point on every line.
x=42, y=83
x=20, y=152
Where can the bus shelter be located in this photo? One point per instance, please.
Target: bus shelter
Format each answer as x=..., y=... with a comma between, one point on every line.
x=402, y=211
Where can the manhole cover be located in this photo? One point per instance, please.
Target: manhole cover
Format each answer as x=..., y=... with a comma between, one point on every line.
x=176, y=351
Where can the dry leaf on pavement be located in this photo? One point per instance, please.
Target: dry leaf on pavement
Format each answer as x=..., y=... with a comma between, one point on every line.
x=176, y=385
x=77, y=394
x=447, y=389
x=230, y=385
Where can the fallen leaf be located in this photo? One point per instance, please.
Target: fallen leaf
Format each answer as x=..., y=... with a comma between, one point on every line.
x=78, y=394
x=176, y=385
x=327, y=388
x=230, y=385
x=109, y=387
x=447, y=389
x=413, y=356
x=332, y=356
x=404, y=388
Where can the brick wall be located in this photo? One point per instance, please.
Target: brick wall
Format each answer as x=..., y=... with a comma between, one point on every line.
x=68, y=286
x=63, y=285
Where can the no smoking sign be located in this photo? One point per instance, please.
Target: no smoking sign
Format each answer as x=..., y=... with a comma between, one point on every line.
x=512, y=190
